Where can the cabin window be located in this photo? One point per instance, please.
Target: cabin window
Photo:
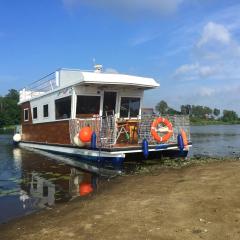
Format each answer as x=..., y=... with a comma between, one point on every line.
x=109, y=102
x=87, y=106
x=26, y=115
x=45, y=190
x=129, y=107
x=45, y=110
x=63, y=108
x=35, y=113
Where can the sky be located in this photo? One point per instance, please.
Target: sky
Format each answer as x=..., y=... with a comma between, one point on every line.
x=191, y=47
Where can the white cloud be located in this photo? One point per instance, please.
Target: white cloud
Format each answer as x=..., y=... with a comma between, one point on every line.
x=214, y=32
x=143, y=39
x=134, y=6
x=206, y=91
x=216, y=56
x=186, y=68
x=194, y=71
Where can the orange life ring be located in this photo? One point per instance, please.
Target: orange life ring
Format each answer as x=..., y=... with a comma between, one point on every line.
x=154, y=131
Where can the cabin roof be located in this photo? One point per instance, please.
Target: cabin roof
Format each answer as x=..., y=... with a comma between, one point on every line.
x=63, y=78
x=118, y=79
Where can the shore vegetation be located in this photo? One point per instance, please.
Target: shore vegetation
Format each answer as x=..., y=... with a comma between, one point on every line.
x=201, y=115
x=9, y=110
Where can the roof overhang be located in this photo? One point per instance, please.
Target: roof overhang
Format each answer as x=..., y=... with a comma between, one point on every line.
x=118, y=79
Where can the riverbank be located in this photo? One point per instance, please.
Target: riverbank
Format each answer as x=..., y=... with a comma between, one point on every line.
x=7, y=129
x=198, y=201
x=205, y=122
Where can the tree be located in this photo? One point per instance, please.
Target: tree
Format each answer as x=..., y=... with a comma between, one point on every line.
x=162, y=107
x=229, y=116
x=13, y=94
x=172, y=111
x=216, y=112
x=201, y=112
x=9, y=109
x=207, y=111
x=186, y=109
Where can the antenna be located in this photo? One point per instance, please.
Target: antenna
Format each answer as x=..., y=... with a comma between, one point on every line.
x=97, y=67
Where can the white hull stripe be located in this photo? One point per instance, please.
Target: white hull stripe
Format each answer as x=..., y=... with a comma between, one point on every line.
x=73, y=151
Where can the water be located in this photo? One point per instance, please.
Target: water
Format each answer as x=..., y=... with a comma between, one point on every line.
x=216, y=140
x=30, y=181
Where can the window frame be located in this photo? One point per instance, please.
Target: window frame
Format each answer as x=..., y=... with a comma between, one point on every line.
x=24, y=119
x=34, y=118
x=89, y=95
x=63, y=119
x=129, y=117
x=47, y=110
x=117, y=100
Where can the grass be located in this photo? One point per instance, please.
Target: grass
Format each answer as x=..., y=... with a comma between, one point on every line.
x=197, y=122
x=7, y=129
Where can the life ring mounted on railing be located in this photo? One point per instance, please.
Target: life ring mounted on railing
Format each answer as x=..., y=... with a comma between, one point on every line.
x=154, y=132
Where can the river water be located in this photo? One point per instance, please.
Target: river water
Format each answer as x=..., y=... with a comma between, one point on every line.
x=30, y=181
x=216, y=140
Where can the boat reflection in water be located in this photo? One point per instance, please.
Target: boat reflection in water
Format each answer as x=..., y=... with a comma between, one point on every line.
x=36, y=181
x=39, y=190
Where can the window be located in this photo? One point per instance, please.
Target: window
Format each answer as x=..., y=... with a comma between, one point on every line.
x=45, y=190
x=87, y=106
x=26, y=114
x=63, y=108
x=45, y=110
x=35, y=113
x=129, y=107
x=109, y=102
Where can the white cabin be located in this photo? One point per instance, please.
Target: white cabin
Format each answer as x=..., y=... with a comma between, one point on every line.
x=73, y=93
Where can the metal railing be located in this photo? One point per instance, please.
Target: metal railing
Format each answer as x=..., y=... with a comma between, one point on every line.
x=107, y=129
x=39, y=87
x=178, y=122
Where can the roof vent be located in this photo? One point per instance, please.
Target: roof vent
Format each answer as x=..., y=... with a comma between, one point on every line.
x=98, y=68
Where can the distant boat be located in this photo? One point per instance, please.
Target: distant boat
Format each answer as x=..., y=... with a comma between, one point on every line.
x=96, y=116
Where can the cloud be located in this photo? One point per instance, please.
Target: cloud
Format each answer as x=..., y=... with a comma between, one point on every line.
x=206, y=91
x=132, y=6
x=213, y=32
x=216, y=55
x=194, y=71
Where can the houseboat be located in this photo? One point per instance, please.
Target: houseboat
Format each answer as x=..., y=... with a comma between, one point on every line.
x=97, y=117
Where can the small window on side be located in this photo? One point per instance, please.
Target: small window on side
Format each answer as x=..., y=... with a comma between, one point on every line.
x=45, y=110
x=35, y=115
x=26, y=115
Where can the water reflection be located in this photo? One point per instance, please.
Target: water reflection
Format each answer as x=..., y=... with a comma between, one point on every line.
x=31, y=181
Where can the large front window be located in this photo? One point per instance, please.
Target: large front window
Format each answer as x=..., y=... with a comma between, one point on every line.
x=129, y=107
x=87, y=106
x=63, y=108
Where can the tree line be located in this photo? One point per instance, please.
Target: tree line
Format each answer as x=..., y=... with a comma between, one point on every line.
x=197, y=112
x=9, y=109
